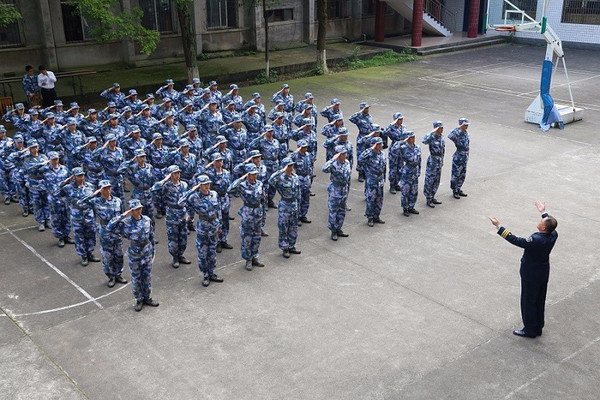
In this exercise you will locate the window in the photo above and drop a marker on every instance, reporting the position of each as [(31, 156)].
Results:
[(339, 9), (284, 14), (221, 13), (158, 15), (581, 12), (10, 35), (529, 6), (76, 27), (368, 7)]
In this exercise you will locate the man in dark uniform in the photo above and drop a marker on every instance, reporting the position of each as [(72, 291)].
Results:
[(535, 269)]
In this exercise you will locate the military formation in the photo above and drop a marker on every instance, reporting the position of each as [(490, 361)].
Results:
[(183, 156)]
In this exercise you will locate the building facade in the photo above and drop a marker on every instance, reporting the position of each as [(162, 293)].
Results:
[(576, 22), (51, 32)]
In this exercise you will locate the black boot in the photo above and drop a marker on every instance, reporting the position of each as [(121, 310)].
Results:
[(263, 233), (225, 245), (392, 189), (119, 279), (378, 220), (138, 305), (406, 213), (111, 282), (257, 263), (293, 250), (435, 201), (430, 203), (305, 220), (341, 233), (413, 211), (370, 222), (61, 242), (151, 303), (184, 260), (175, 262), (215, 278), (249, 266), (84, 261), (334, 236)]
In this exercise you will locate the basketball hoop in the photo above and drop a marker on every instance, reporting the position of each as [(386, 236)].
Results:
[(506, 28)]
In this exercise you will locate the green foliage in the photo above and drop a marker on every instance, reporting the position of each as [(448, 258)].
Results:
[(355, 52), (111, 23), (389, 57), (8, 14), (262, 77)]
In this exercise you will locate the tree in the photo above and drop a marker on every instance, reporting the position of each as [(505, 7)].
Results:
[(266, 18), (109, 22), (112, 23), (188, 38), (321, 34), (8, 14)]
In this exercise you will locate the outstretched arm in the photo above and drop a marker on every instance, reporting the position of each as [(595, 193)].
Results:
[(524, 243)]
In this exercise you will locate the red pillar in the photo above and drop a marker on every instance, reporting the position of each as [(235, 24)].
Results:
[(473, 19), (379, 21), (417, 23)]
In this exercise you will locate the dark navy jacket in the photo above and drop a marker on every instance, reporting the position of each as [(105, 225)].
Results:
[(535, 263)]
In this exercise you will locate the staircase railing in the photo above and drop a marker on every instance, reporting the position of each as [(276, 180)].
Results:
[(441, 14)]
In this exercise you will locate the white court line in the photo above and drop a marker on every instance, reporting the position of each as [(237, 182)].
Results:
[(17, 230), (69, 306), (498, 65), (58, 271), (565, 84), (537, 377)]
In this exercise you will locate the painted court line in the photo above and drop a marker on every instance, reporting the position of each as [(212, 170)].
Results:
[(70, 306), (58, 271)]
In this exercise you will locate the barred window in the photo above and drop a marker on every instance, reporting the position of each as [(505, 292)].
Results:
[(368, 7), (221, 13), (338, 9), (10, 35), (581, 12), (77, 28), (158, 15), (282, 14)]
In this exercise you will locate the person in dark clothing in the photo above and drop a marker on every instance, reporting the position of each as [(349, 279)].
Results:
[(535, 270)]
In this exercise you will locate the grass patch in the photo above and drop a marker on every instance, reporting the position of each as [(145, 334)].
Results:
[(389, 57), (261, 78)]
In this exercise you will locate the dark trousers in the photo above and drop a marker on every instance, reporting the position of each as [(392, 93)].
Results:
[(48, 97), (533, 301)]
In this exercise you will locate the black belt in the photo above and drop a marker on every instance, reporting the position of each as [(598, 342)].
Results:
[(175, 207), (462, 149), (289, 200), (436, 155), (140, 244), (252, 205), (210, 219)]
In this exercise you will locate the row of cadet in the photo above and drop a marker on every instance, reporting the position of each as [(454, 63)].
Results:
[(179, 186)]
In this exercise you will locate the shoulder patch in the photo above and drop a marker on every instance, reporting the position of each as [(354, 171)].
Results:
[(529, 239)]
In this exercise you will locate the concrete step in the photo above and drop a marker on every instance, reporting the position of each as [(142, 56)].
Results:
[(449, 47)]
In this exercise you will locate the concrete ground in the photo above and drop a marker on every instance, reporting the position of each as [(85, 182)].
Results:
[(418, 308)]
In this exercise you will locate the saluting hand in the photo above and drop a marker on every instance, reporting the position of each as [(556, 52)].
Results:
[(495, 221), (540, 206)]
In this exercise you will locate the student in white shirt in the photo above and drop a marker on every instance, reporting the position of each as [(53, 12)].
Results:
[(46, 82)]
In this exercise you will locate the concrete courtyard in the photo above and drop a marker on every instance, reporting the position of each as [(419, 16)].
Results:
[(418, 308)]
